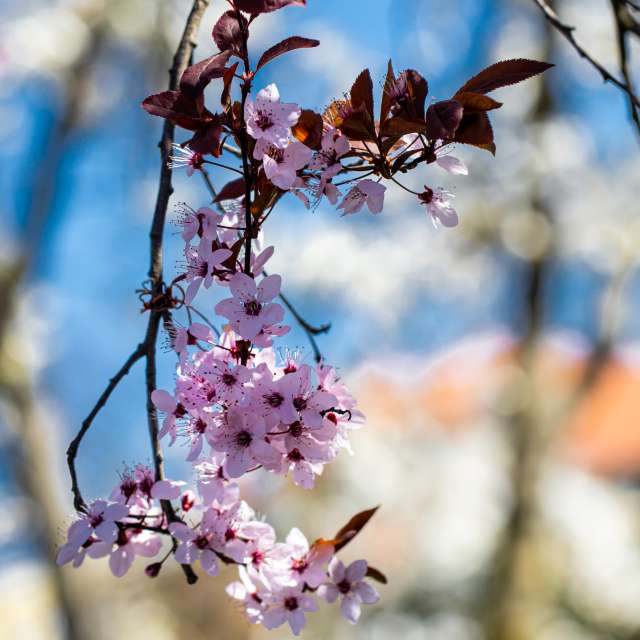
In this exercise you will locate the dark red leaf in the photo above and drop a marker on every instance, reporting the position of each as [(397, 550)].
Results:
[(475, 129), (399, 126), (185, 111), (207, 139), (389, 84), (442, 119), (266, 6), (231, 190), (476, 102), (230, 262), (377, 575), (503, 74), (227, 79), (352, 528), (196, 77), (362, 94), (309, 129), (418, 89), (227, 33), (289, 44)]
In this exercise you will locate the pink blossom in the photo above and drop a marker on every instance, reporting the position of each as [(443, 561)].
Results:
[(173, 410), (211, 479), (289, 605), (334, 146), (269, 119), (185, 157), (202, 223), (129, 543), (348, 583), (438, 204), (241, 437), (251, 309), (201, 267), (365, 192), (228, 379), (282, 164), (303, 564), (195, 545)]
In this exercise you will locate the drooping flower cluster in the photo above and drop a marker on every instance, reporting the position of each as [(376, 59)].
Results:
[(238, 405)]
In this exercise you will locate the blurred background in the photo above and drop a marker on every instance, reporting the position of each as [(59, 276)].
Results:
[(498, 363)]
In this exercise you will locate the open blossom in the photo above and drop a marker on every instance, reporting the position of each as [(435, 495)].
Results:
[(289, 605), (282, 164), (251, 309), (129, 544), (195, 544), (242, 438), (269, 119), (185, 157), (365, 192), (202, 223), (301, 563), (438, 204), (334, 145), (348, 584)]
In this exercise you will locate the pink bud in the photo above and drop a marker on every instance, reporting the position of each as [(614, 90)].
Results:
[(188, 500)]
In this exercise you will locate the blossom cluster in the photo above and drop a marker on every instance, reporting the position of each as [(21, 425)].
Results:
[(279, 582), (240, 404)]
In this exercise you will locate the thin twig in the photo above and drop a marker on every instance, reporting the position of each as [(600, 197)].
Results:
[(181, 59), (626, 24), (72, 451), (567, 31)]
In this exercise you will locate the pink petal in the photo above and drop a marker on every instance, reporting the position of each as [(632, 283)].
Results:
[(350, 608), (356, 571), (167, 489), (163, 401), (452, 165), (121, 560), (242, 286)]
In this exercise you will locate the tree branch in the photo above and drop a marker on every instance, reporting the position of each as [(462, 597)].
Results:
[(567, 32)]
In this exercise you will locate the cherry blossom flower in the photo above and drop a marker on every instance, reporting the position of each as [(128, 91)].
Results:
[(289, 605), (365, 192), (211, 479), (227, 378), (269, 119), (195, 544), (251, 309), (185, 157), (173, 410), (282, 164), (348, 584), (303, 564), (334, 145), (129, 543), (438, 204), (250, 591), (202, 223), (241, 437)]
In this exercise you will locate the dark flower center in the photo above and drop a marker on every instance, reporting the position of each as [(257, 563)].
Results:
[(295, 456), (229, 379), (252, 308), (97, 520), (274, 399), (291, 604), (243, 439), (201, 426), (296, 430), (202, 542), (299, 565), (300, 403), (426, 197), (263, 120), (229, 534), (344, 586)]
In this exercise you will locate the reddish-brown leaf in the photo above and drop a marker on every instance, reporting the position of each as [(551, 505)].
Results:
[(418, 89), (442, 119), (289, 44), (503, 74), (207, 139), (185, 111), (377, 575), (231, 190), (266, 6), (475, 129), (476, 102), (236, 247), (227, 79), (353, 528), (389, 84), (227, 33), (196, 77), (309, 129), (399, 126), (362, 94)]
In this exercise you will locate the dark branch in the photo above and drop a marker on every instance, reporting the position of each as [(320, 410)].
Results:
[(567, 31), (72, 451)]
